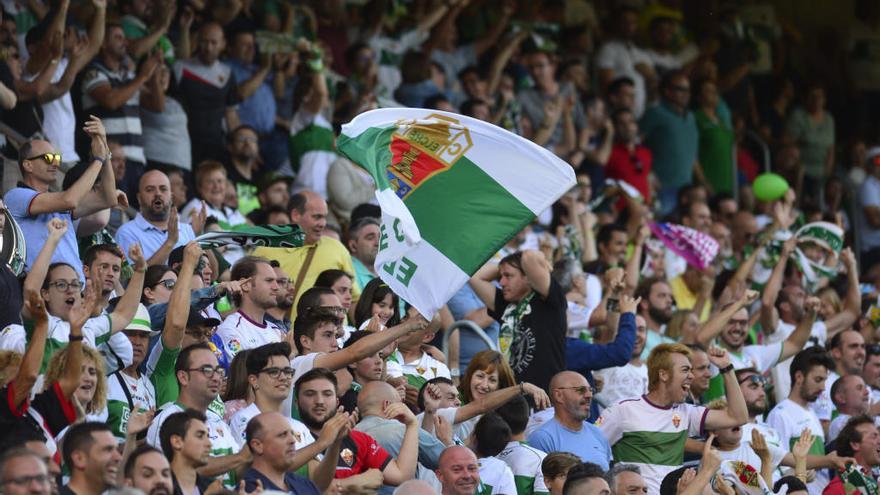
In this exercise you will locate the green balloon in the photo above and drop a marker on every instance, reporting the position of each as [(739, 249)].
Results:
[(769, 187)]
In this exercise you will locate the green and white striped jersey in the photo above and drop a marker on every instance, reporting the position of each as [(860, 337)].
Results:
[(495, 478), (525, 463)]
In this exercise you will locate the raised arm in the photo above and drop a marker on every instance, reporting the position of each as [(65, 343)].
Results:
[(33, 282), (537, 271), (178, 306), (70, 378), (496, 399), (128, 303), (489, 40), (30, 363), (843, 320), (404, 467), (160, 257), (369, 345), (737, 413), (482, 284), (769, 316), (715, 324), (798, 339), (139, 47), (105, 197)]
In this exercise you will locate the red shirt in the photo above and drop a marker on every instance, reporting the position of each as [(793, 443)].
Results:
[(633, 168), (359, 453)]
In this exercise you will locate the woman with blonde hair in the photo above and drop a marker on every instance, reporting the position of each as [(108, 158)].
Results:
[(92, 391), (830, 303), (683, 326)]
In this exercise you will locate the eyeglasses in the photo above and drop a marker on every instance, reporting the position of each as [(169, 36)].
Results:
[(756, 379), (42, 479), (276, 372), (336, 309), (50, 158), (168, 283), (63, 285), (579, 390), (244, 139), (209, 372), (201, 334), (872, 349)]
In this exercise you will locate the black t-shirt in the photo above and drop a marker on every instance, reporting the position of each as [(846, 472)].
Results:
[(10, 294), (537, 351), (27, 116), (55, 411)]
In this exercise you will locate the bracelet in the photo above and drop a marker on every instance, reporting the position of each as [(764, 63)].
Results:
[(75, 338), (725, 369)]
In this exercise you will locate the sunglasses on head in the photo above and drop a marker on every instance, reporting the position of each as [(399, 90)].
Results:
[(756, 379), (50, 158)]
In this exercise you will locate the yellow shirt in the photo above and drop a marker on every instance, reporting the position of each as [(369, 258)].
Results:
[(685, 299), (330, 254)]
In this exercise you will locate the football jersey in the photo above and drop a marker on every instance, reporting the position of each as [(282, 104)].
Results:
[(789, 419), (760, 357), (140, 391), (651, 436), (495, 478), (240, 332), (238, 423), (525, 464), (418, 372)]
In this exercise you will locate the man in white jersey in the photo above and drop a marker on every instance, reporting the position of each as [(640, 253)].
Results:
[(247, 328), (871, 371), (631, 380), (809, 370), (523, 460), (199, 376), (734, 332), (847, 349), (660, 419), (782, 310), (851, 398), (270, 377)]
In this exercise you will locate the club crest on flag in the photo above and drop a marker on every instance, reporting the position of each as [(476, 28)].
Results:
[(423, 149)]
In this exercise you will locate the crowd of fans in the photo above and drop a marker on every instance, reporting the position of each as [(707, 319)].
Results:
[(134, 359)]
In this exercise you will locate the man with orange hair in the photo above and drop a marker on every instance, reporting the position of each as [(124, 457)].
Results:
[(650, 431)]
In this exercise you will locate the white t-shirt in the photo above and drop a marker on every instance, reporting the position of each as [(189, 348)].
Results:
[(496, 478), (525, 463), (239, 421), (621, 382), (824, 406), (622, 57), (780, 374), (745, 453), (425, 367), (240, 332), (789, 419)]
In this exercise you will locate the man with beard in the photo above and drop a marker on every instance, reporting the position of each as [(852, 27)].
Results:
[(631, 380), (199, 377), (569, 430), (781, 310), (273, 444), (244, 151), (656, 308), (148, 470), (733, 322), (363, 242), (661, 419), (809, 370), (156, 226), (611, 242), (362, 461), (279, 315), (247, 327), (860, 440), (129, 389), (89, 450), (186, 442)]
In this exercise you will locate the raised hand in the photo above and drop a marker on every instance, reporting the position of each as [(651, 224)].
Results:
[(802, 447), (432, 398), (710, 460), (35, 306), (57, 228), (718, 357), (335, 428), (812, 305), (173, 226), (197, 219), (192, 252), (687, 477), (748, 297), (443, 430), (542, 401), (139, 420), (759, 445), (137, 256), (121, 200), (95, 129), (78, 315), (400, 412), (628, 304), (257, 489)]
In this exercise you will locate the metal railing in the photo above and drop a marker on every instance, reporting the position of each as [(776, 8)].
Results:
[(468, 325)]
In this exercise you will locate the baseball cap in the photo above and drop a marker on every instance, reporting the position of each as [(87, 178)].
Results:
[(267, 180), (141, 322), (197, 319)]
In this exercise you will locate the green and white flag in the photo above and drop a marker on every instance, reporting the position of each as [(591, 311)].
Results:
[(453, 190), (252, 236)]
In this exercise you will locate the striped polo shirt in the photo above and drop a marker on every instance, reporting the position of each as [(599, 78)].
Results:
[(123, 124)]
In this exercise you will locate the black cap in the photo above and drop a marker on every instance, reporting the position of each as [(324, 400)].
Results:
[(365, 210), (197, 319)]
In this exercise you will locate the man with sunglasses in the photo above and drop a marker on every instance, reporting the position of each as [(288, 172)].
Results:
[(33, 205), (200, 377)]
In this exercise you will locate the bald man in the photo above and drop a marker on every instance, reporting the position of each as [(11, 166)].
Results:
[(273, 446), (151, 225), (569, 431), (374, 401), (208, 91), (459, 471), (309, 210)]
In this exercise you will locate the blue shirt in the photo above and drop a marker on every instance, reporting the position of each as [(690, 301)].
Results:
[(258, 110), (463, 303), (673, 139), (294, 484), (33, 228), (589, 444), (150, 237)]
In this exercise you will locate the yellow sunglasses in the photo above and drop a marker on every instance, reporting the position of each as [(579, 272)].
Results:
[(50, 158)]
